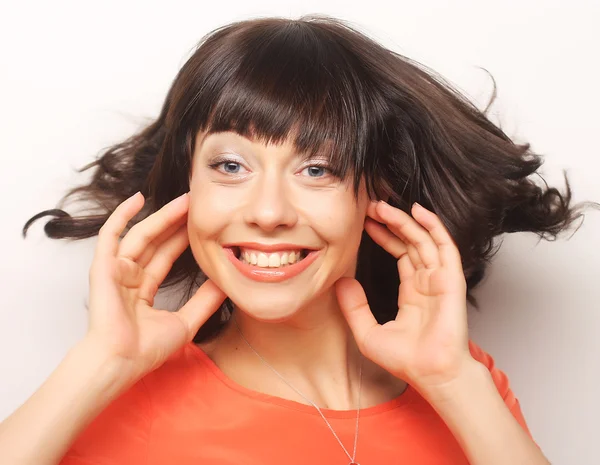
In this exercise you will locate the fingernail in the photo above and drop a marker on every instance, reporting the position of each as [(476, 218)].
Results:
[(418, 205), (385, 204)]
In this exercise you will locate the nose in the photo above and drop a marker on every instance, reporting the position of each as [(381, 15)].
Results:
[(269, 206)]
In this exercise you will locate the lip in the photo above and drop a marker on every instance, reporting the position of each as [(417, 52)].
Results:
[(268, 247), (271, 275)]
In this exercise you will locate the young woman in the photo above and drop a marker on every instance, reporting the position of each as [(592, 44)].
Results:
[(330, 205)]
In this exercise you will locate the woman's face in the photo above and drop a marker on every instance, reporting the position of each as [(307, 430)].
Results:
[(272, 230)]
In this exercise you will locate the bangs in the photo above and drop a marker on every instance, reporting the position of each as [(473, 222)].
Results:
[(289, 81)]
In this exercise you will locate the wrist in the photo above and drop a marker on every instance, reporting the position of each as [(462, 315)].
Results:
[(473, 375), (106, 375)]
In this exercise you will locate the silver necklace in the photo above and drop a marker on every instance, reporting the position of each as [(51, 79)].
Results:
[(351, 457)]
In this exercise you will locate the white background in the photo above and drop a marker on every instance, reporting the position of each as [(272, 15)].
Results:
[(77, 77)]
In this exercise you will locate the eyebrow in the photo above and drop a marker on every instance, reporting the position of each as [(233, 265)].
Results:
[(217, 143), (211, 139)]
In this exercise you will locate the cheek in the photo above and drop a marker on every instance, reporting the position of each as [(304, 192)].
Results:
[(339, 220), (211, 207), (203, 219), (208, 216)]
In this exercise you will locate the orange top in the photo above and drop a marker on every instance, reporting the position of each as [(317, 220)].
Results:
[(188, 412)]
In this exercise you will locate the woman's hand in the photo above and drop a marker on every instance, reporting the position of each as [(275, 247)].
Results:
[(427, 344), (124, 278)]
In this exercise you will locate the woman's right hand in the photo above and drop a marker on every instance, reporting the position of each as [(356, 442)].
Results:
[(124, 277)]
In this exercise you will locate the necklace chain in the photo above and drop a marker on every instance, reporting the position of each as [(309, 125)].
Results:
[(351, 457)]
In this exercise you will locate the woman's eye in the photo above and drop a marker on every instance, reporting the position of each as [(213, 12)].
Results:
[(228, 167), (316, 171), (231, 167)]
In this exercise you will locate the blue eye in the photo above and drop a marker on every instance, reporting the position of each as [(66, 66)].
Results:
[(316, 171), (231, 167), (227, 167)]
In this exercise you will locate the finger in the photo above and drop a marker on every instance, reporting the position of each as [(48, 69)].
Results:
[(402, 223), (355, 308), (166, 254), (106, 273), (413, 253), (406, 268), (448, 250), (110, 232), (392, 244), (148, 289), (149, 251), (130, 274), (385, 238), (206, 301), (142, 234), (373, 213)]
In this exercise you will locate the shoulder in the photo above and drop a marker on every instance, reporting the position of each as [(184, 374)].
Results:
[(502, 383), (122, 431), (184, 373)]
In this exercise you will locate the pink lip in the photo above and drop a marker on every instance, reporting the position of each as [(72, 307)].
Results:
[(267, 247), (271, 275)]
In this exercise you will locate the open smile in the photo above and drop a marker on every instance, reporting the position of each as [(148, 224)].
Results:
[(270, 264)]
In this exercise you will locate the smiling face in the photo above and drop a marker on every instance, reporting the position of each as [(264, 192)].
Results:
[(273, 230)]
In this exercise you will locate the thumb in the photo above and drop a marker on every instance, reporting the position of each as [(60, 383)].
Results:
[(206, 301), (355, 308)]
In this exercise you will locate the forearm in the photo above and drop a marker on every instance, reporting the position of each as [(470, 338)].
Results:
[(41, 431), (481, 422)]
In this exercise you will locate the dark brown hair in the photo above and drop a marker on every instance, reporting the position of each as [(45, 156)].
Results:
[(381, 115)]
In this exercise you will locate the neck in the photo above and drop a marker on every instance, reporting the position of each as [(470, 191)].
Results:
[(315, 340), (314, 351)]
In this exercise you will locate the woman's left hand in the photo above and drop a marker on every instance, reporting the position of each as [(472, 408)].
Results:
[(427, 343)]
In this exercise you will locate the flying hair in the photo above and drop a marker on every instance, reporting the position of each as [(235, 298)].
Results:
[(333, 92)]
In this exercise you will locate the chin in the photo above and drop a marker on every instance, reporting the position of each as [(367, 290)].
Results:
[(268, 306)]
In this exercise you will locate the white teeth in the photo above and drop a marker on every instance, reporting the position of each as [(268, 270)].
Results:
[(263, 260), (272, 260)]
